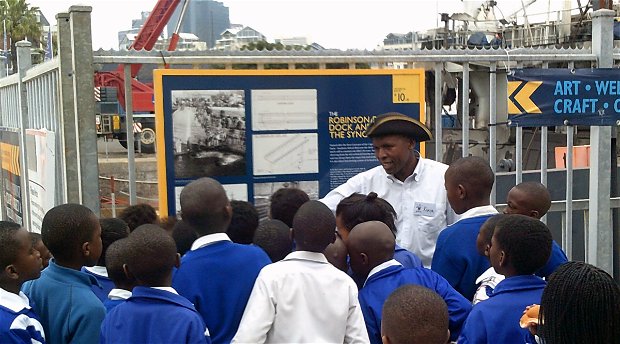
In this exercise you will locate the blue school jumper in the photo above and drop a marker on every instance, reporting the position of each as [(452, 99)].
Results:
[(64, 300), (407, 258), (381, 284), (18, 322), (456, 257), (154, 316), (104, 287), (496, 320), (218, 279), (557, 258)]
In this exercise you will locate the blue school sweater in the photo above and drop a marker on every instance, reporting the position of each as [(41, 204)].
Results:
[(154, 316), (104, 287), (381, 284), (407, 258), (557, 258), (496, 320), (18, 322), (456, 257), (218, 279), (63, 298)]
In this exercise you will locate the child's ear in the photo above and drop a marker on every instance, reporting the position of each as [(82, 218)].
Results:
[(128, 273), (535, 214), (385, 340), (364, 258), (462, 192), (503, 258), (86, 249), (177, 261), (487, 250), (11, 272)]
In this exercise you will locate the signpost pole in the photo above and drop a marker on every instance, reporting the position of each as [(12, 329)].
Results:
[(599, 251)]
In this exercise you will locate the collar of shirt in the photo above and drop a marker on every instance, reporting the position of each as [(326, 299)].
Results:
[(416, 172), (119, 294), (307, 255), (385, 265), (209, 239), (62, 273), (97, 270), (478, 211), (14, 302), (168, 289)]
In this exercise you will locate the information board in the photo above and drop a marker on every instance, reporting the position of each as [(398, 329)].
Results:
[(555, 97), (257, 131), (11, 176)]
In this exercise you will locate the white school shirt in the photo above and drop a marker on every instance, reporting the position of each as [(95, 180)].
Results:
[(17, 303), (420, 202), (302, 299)]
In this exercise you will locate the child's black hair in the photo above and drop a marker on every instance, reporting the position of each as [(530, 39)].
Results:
[(184, 236), (539, 196), (274, 237), (8, 243), (66, 227), (151, 255), (115, 258), (314, 227), (139, 214), (358, 208), (243, 223), (580, 304), (285, 202), (112, 229), (475, 173), (415, 314), (488, 227), (525, 240)]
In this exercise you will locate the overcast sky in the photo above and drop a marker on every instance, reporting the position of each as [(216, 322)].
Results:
[(356, 24)]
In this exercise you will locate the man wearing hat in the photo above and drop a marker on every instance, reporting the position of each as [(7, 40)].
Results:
[(414, 186)]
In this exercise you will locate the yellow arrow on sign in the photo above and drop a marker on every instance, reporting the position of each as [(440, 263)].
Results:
[(522, 97)]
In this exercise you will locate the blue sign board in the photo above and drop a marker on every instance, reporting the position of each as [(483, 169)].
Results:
[(556, 97)]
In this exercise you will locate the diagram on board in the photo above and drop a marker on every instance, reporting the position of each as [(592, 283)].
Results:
[(285, 153), (284, 109)]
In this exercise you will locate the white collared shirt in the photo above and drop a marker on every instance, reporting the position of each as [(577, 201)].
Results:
[(420, 202), (302, 299), (97, 270), (384, 265), (168, 289), (18, 303), (119, 294), (14, 302), (478, 211), (209, 239)]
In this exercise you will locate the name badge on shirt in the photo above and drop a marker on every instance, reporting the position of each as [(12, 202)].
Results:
[(424, 209)]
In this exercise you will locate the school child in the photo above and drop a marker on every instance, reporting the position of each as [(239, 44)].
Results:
[(490, 278), (371, 251), (114, 261), (216, 275), (62, 296), (154, 313), (533, 199), (285, 202), (303, 298), (111, 230), (20, 262), (424, 312), (274, 237), (358, 208), (580, 304), (337, 254), (139, 214), (520, 246), (184, 236), (243, 223), (40, 246), (468, 185)]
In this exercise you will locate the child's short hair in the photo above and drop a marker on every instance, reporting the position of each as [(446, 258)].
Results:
[(151, 255), (538, 196), (139, 214), (526, 241), (112, 229), (274, 237), (486, 232), (475, 173), (285, 202), (580, 304), (66, 227), (415, 314), (243, 223), (314, 227), (184, 236), (8, 243), (115, 258), (358, 208)]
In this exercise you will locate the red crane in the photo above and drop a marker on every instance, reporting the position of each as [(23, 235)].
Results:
[(146, 39)]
